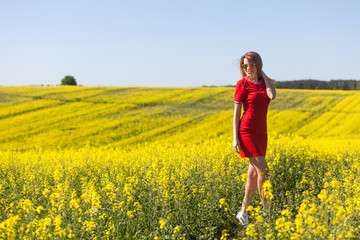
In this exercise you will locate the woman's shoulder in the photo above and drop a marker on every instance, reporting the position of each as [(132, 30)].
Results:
[(241, 81)]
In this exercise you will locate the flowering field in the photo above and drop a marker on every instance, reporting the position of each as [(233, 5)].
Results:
[(157, 163)]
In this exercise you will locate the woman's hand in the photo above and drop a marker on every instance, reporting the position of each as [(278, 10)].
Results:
[(270, 90), (236, 145), (266, 77)]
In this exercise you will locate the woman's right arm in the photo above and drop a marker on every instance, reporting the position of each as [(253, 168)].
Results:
[(270, 90), (236, 125)]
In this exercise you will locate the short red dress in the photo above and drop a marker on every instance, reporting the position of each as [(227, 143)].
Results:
[(253, 126)]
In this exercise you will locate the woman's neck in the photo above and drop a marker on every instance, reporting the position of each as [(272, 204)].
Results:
[(254, 79)]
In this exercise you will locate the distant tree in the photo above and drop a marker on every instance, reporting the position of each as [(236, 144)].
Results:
[(68, 80), (317, 84)]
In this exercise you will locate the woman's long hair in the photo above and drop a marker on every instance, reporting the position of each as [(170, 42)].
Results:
[(254, 59)]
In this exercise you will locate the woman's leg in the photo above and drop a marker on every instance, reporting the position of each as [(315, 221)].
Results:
[(250, 188), (262, 169), (257, 175)]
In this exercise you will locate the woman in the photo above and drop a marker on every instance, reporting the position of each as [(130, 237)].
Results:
[(254, 91)]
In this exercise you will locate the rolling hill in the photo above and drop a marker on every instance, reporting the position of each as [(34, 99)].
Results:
[(75, 117)]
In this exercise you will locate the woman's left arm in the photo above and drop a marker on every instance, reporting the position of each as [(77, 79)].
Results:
[(270, 90)]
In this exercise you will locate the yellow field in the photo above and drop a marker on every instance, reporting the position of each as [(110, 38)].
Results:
[(157, 163)]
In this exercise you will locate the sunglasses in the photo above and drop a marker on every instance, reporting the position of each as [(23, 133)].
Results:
[(244, 66)]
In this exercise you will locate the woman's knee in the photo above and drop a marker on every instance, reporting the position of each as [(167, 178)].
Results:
[(252, 173)]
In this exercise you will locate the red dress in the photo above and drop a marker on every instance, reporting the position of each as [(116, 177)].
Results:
[(253, 129)]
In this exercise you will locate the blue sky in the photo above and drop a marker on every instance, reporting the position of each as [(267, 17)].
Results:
[(175, 43)]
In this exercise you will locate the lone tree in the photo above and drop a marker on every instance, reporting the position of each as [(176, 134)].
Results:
[(68, 80)]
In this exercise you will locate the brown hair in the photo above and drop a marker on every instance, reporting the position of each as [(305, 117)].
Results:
[(254, 60)]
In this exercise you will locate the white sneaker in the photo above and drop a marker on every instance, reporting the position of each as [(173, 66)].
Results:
[(243, 219)]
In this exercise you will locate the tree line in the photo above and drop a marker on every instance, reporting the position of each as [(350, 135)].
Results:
[(318, 84)]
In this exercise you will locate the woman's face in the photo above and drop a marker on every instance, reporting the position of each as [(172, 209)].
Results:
[(250, 71)]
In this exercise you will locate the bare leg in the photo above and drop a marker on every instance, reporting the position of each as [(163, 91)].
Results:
[(250, 188), (263, 172), (257, 174)]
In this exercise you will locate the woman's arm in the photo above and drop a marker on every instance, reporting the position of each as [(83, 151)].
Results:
[(236, 125), (270, 90)]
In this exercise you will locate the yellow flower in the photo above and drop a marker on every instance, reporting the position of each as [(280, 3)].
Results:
[(162, 223), (323, 195), (286, 213), (251, 230), (250, 208), (176, 229), (39, 209), (130, 214), (267, 188), (222, 201)]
